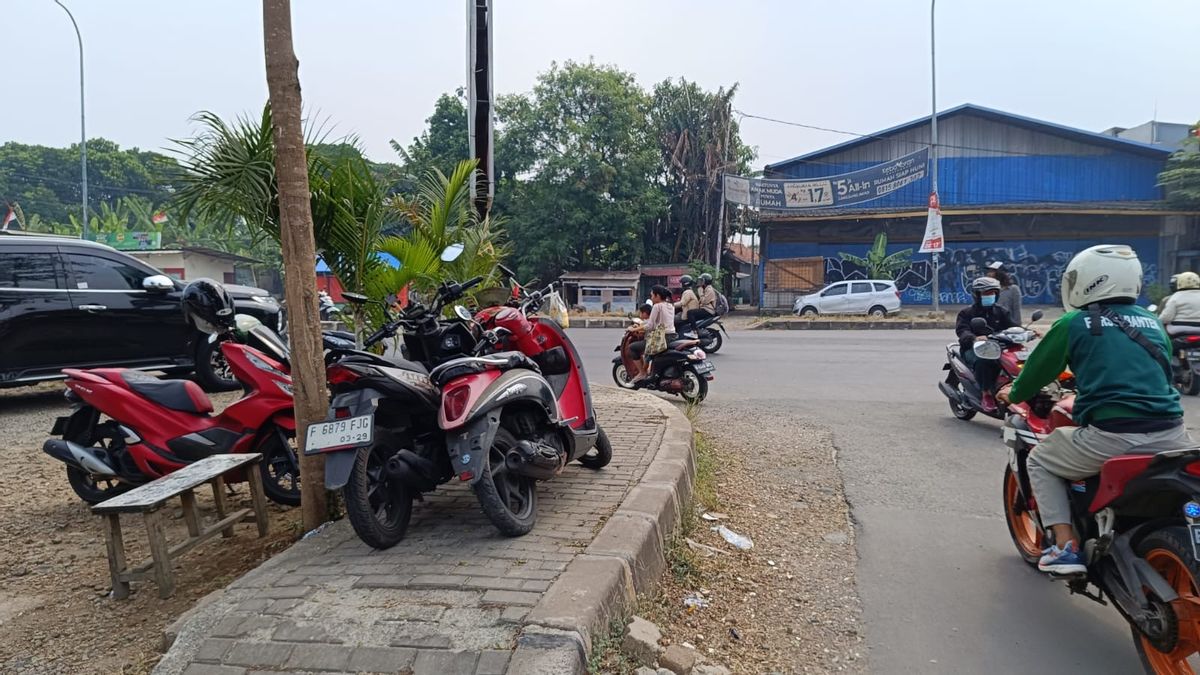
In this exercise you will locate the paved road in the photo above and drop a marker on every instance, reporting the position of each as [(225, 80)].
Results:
[(942, 588)]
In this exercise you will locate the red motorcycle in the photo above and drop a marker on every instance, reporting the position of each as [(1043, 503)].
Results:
[(128, 428), (1009, 347), (1139, 521), (517, 412)]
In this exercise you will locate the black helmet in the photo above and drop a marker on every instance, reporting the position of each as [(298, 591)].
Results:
[(686, 281), (705, 279), (207, 307)]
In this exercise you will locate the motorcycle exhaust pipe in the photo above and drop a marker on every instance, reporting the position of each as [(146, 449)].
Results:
[(536, 460), (950, 392), (411, 469), (91, 460)]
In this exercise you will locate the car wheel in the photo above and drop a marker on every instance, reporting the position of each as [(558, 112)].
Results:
[(212, 370), (877, 312), (809, 311)]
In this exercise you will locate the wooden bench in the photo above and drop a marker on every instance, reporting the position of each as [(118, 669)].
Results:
[(148, 499)]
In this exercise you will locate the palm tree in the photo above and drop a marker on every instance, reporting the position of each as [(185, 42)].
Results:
[(878, 264)]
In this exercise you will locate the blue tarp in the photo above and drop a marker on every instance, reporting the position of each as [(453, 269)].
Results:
[(322, 268)]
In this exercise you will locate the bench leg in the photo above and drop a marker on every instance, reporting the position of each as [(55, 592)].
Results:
[(218, 485), (116, 555), (258, 500), (163, 574), (190, 515)]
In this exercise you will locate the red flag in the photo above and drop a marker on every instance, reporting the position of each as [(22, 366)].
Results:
[(9, 217), (159, 218)]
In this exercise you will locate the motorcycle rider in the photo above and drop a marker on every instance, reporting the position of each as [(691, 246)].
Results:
[(1119, 355), (688, 299), (707, 297), (986, 291), (1181, 311)]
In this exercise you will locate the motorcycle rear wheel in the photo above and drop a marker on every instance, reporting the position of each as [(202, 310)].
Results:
[(959, 410), (1188, 384), (1170, 553), (379, 509), (695, 387), (280, 466), (94, 489), (508, 499), (600, 455), (713, 344), (1022, 527), (621, 376)]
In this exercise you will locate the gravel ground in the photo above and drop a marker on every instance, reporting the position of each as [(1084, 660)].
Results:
[(55, 615), (789, 604)]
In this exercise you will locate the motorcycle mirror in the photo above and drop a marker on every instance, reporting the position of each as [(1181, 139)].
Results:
[(507, 273), (356, 298), (1037, 316), (988, 350), (1152, 308), (463, 313), (451, 252), (979, 326)]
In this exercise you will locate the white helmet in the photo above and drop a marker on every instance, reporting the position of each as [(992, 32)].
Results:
[(1187, 281), (1104, 272)]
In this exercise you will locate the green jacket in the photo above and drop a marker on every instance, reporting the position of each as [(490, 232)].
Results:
[(1116, 378)]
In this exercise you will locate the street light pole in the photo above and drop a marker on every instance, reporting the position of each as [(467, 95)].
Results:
[(82, 120), (933, 149)]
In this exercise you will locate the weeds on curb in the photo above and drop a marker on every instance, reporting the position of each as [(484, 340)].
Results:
[(606, 649)]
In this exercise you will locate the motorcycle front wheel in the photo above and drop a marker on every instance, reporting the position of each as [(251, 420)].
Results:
[(378, 508), (1022, 524), (212, 370), (621, 376), (1173, 646), (280, 466)]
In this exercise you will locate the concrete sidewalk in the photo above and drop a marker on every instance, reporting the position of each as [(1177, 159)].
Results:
[(455, 596)]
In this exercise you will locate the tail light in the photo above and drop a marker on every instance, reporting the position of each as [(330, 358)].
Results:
[(339, 374), (1192, 468), (341, 413), (1193, 338), (454, 402), (897, 293)]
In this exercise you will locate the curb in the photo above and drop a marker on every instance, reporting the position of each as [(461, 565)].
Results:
[(915, 324), (624, 560)]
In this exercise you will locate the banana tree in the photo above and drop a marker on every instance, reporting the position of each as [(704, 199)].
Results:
[(878, 264)]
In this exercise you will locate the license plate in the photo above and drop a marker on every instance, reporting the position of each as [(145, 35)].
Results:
[(705, 367), (1195, 532), (1194, 355), (352, 432)]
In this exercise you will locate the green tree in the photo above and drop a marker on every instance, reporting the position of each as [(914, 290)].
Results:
[(698, 141), (588, 186), (878, 264), (1181, 178)]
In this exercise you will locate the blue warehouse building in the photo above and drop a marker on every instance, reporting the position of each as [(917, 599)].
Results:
[(1019, 190)]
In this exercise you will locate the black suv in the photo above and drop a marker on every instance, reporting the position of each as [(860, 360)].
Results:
[(69, 303)]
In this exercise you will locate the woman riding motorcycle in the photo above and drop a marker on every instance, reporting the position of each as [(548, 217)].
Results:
[(986, 290), (1119, 355)]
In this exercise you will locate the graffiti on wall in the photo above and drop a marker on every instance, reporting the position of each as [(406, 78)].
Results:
[(1037, 266)]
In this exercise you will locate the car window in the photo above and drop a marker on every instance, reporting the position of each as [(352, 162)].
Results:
[(29, 270), (840, 289), (101, 274), (861, 287), (882, 287)]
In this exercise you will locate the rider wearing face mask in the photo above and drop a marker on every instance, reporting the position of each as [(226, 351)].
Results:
[(986, 290)]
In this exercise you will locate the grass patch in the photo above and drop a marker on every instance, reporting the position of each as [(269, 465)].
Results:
[(606, 653)]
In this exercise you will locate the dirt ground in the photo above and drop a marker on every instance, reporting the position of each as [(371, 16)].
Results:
[(55, 613), (787, 605)]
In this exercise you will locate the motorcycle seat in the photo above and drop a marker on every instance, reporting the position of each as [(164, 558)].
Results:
[(471, 365), (684, 343), (182, 395)]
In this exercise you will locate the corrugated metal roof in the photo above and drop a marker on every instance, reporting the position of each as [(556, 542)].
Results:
[(1070, 133)]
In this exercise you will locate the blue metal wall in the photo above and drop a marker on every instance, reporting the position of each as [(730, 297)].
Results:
[(1037, 265)]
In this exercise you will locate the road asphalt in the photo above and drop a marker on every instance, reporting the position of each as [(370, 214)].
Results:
[(943, 589)]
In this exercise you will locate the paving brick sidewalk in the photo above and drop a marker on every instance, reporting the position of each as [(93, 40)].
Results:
[(449, 599)]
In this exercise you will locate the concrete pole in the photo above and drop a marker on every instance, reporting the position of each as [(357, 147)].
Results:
[(82, 121), (933, 149)]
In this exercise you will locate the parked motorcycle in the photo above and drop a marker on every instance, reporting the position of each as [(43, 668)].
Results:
[(1139, 521), (213, 368), (128, 428), (711, 339), (518, 411), (1009, 347), (682, 369)]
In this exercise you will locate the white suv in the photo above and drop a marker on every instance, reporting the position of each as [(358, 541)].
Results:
[(874, 297)]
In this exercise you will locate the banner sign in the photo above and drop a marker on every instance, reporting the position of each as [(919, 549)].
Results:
[(832, 192), (129, 241), (933, 241)]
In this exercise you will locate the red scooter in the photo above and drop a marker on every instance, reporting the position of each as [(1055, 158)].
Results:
[(152, 427), (517, 412), (1009, 347), (1139, 524)]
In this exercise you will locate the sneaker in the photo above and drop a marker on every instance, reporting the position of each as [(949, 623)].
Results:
[(989, 402), (1064, 560)]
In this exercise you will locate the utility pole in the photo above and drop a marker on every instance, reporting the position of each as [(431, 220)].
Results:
[(479, 101), (82, 121), (933, 147), (721, 177)]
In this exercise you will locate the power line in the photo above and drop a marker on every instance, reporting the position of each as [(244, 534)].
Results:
[(60, 181)]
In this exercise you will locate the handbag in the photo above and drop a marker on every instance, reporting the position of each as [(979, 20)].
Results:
[(656, 340)]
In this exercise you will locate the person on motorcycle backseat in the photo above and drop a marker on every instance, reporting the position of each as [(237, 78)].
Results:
[(1119, 355), (986, 291), (688, 299), (1181, 311)]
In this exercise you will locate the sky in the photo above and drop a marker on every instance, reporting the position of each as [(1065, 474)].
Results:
[(374, 68)]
